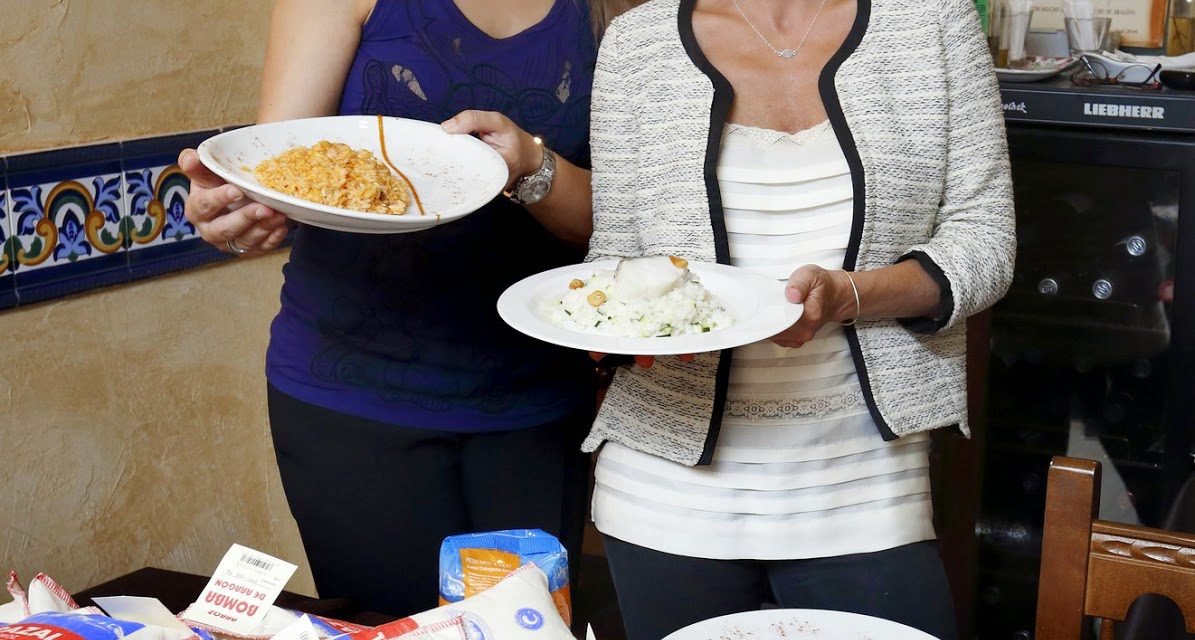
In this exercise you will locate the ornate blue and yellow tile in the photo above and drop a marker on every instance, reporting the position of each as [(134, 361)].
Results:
[(67, 221)]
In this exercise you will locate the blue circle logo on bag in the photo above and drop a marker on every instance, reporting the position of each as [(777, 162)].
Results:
[(529, 618)]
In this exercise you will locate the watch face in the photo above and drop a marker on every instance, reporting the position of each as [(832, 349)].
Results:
[(535, 190)]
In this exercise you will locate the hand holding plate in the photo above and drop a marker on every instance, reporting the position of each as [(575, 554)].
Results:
[(823, 292), (517, 147), (221, 213)]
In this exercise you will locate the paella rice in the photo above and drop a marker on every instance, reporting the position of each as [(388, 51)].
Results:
[(337, 175)]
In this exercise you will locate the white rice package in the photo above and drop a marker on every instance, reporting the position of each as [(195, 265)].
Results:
[(406, 629), (520, 607), (275, 620)]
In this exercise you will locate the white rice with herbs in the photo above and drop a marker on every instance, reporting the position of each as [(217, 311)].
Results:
[(685, 310)]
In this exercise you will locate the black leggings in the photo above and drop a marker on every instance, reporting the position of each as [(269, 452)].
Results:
[(659, 593), (373, 501)]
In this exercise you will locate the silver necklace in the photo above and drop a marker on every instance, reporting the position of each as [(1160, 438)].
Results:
[(783, 53)]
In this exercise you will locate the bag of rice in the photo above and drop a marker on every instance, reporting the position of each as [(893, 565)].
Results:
[(277, 619), (85, 626), (45, 603), (452, 629), (407, 629), (519, 607), (43, 596), (474, 562)]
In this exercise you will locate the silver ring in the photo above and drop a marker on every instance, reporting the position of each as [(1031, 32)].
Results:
[(236, 248)]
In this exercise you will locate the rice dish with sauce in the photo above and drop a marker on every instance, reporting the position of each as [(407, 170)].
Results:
[(654, 296), (337, 175)]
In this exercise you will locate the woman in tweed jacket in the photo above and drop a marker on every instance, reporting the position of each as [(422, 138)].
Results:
[(913, 110)]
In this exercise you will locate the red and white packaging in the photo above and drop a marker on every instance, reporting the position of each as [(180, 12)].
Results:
[(43, 596), (276, 620), (452, 628), (238, 601)]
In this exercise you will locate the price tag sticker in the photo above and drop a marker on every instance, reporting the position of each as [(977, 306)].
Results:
[(242, 589)]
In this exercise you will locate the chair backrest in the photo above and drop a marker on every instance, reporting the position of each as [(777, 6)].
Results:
[(1094, 568)]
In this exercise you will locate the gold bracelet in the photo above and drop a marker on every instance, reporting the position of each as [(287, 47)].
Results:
[(858, 305)]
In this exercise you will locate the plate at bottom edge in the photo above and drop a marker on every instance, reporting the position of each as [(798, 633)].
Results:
[(798, 624), (756, 303), (1042, 69)]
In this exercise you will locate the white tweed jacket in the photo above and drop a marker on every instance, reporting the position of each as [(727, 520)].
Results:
[(913, 100)]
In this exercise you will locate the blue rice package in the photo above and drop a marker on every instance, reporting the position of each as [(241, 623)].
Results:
[(69, 626), (473, 562)]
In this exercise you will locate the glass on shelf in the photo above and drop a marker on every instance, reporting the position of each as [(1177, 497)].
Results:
[(1087, 35), (1180, 30)]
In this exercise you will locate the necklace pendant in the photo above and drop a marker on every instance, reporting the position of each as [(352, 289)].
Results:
[(787, 53)]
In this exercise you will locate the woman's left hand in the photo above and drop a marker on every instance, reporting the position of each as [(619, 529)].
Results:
[(517, 147), (825, 295)]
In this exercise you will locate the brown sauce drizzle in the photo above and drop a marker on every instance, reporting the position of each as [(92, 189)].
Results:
[(386, 157)]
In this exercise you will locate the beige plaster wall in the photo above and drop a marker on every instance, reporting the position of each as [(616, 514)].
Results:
[(134, 418), (135, 428), (74, 72)]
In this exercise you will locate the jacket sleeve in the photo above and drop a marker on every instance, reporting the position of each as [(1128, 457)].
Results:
[(973, 246), (612, 133)]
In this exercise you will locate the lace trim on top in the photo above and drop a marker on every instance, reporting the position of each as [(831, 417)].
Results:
[(819, 406), (762, 137)]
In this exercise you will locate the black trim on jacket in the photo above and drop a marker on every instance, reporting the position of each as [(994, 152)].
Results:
[(719, 114), (838, 121), (945, 299), (719, 111)]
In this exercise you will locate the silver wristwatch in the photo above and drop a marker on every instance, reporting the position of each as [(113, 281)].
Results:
[(530, 189)]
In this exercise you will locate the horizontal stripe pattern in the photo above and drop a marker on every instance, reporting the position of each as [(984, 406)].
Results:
[(800, 469)]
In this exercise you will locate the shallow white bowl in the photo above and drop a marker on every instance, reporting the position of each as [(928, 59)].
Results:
[(757, 304), (1038, 69), (798, 624), (454, 175)]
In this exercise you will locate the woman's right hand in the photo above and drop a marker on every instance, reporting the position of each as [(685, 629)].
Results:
[(224, 217)]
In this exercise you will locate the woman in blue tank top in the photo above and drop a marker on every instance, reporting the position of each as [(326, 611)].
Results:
[(402, 409)]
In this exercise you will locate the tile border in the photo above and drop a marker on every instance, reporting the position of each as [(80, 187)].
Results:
[(69, 233)]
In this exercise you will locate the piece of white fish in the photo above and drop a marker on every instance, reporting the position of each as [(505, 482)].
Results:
[(648, 277)]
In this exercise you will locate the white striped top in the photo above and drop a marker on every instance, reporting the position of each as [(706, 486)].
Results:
[(800, 470)]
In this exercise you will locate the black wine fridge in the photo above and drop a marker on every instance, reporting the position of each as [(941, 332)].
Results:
[(1093, 350)]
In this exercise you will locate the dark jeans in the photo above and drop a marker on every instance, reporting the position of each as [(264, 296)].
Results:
[(659, 593), (373, 501)]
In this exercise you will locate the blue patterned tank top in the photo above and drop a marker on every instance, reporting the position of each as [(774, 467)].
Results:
[(403, 328)]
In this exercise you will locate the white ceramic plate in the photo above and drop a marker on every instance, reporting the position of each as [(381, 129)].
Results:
[(454, 175), (798, 624), (1038, 69), (756, 302)]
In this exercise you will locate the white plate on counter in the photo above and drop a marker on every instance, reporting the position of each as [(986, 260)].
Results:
[(798, 624), (756, 303), (453, 175), (1037, 69)]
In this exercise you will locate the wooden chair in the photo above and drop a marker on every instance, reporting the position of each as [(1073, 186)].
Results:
[(1094, 568)]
